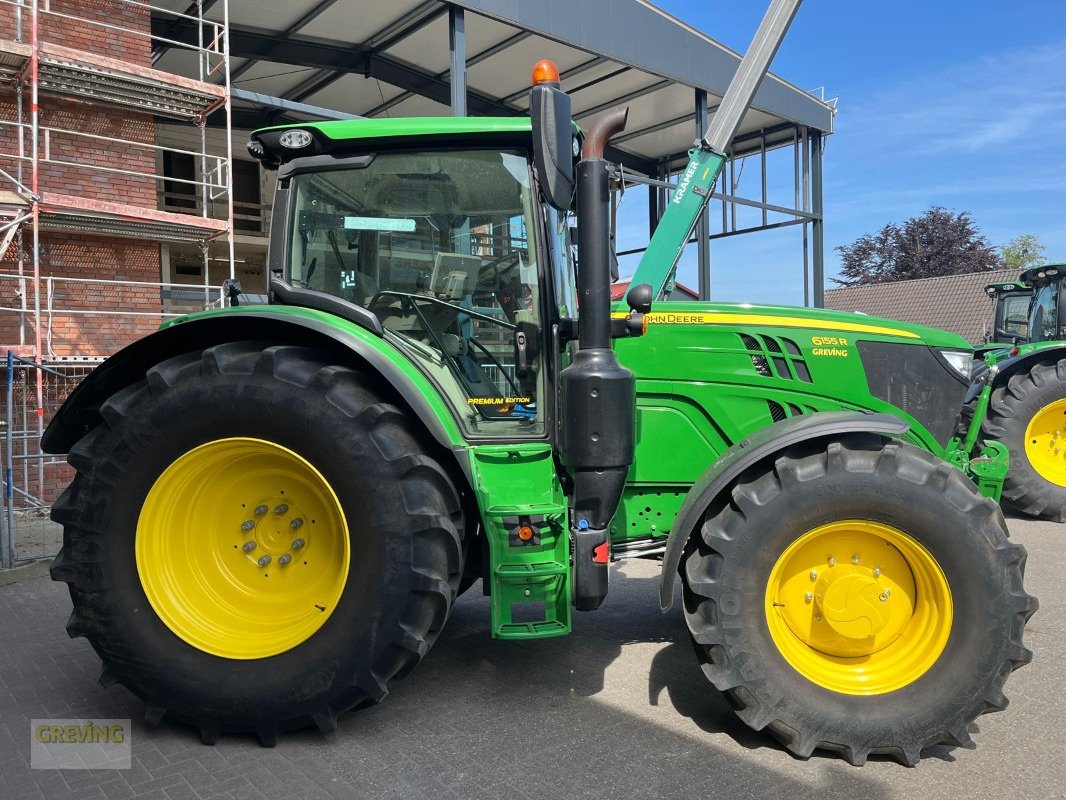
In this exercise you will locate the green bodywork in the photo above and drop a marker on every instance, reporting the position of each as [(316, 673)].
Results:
[(411, 127), (707, 376)]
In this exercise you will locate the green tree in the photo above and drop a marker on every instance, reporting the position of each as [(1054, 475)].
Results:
[(1022, 252), (938, 242)]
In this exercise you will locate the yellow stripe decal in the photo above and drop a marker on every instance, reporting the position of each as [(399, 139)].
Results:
[(719, 318)]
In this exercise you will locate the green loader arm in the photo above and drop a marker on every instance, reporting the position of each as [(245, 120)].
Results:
[(707, 157)]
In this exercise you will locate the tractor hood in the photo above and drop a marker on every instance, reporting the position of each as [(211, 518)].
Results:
[(848, 323), (754, 364)]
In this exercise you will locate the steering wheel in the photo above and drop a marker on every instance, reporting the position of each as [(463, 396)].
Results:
[(494, 265)]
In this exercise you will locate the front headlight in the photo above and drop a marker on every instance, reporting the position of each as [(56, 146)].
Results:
[(960, 360)]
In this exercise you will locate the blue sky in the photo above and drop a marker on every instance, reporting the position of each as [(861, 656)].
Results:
[(943, 102)]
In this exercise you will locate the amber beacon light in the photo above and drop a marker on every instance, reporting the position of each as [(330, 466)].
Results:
[(545, 71)]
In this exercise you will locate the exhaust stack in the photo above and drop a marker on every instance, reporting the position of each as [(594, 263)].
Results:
[(598, 394)]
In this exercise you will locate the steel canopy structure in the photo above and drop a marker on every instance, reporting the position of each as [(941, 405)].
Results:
[(313, 59)]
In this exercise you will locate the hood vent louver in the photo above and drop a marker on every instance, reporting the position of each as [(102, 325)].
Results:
[(774, 357)]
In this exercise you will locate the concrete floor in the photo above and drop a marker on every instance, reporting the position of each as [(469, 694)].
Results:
[(618, 709)]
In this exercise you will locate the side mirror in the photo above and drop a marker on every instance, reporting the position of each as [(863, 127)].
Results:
[(553, 144), (640, 298)]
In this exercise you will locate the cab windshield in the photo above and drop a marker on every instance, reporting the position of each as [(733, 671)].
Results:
[(438, 245), (1013, 319)]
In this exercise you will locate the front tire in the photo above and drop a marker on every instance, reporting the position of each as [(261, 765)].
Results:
[(256, 540), (860, 597), (1028, 415)]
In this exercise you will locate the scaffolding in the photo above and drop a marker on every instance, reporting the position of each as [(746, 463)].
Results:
[(42, 70), (35, 71)]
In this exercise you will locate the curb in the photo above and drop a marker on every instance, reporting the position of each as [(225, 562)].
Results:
[(23, 572)]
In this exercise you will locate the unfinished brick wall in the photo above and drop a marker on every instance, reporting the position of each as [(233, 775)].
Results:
[(126, 41), (73, 254), (67, 331)]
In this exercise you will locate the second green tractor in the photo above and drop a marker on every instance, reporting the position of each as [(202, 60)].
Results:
[(1019, 395)]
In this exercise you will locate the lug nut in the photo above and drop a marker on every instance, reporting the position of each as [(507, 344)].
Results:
[(884, 595), (247, 525), (296, 523), (263, 561), (814, 574), (281, 509), (808, 597), (877, 572), (832, 561), (817, 617), (260, 511), (284, 559), (249, 547), (855, 559), (297, 544)]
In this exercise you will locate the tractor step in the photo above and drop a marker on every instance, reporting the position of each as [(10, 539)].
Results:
[(529, 543)]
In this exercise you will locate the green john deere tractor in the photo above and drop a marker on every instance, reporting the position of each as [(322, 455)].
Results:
[(1010, 314), (276, 506), (1022, 376)]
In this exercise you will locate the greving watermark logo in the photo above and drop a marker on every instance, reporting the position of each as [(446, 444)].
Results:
[(80, 743)]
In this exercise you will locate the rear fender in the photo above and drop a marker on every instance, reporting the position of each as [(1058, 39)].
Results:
[(1023, 362), (277, 324), (763, 445)]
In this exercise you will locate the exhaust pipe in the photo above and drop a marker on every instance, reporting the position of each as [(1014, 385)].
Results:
[(598, 394)]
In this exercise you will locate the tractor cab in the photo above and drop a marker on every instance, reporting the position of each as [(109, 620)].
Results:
[(1047, 316), (439, 236), (1010, 315)]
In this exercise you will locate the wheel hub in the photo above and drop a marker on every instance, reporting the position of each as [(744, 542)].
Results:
[(1045, 442), (279, 528), (858, 607)]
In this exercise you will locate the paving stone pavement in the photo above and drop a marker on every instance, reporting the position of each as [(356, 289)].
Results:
[(618, 709)]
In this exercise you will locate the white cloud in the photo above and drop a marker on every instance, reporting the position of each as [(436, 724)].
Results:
[(1012, 99)]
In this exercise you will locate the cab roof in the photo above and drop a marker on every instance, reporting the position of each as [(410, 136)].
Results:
[(1007, 286), (1038, 275), (339, 136)]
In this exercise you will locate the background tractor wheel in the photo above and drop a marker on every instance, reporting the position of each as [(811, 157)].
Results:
[(256, 541), (859, 597), (1028, 415)]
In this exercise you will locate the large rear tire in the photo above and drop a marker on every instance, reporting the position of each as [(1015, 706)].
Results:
[(255, 540), (1028, 415), (860, 597)]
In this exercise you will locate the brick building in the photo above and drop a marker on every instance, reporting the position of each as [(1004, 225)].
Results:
[(86, 219)]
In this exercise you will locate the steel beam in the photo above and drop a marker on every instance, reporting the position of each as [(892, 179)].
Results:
[(457, 50), (703, 223), (564, 76), (475, 59), (623, 99), (726, 234), (248, 43), (411, 22), (315, 11), (167, 25), (658, 126), (818, 209), (643, 37), (281, 104), (313, 85)]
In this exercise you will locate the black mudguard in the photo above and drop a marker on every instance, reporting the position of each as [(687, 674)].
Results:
[(761, 445), (1025, 362)]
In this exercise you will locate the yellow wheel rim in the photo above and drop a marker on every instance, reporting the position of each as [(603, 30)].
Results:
[(242, 548), (1045, 444), (858, 607)]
